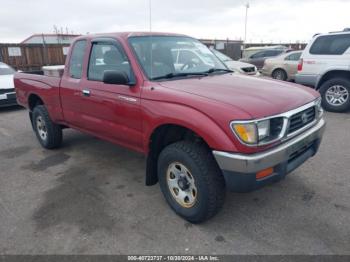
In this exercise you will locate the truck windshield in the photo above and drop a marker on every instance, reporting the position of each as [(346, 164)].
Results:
[(221, 56), (174, 56), (6, 70)]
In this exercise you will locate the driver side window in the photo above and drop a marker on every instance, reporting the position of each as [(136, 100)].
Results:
[(106, 56)]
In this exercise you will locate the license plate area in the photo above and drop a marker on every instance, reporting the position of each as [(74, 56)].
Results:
[(303, 147)]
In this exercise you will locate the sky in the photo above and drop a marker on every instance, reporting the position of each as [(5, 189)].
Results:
[(268, 20)]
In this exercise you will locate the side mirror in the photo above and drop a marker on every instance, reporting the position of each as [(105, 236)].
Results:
[(115, 77)]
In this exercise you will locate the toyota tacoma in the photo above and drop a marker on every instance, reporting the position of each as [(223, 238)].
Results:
[(202, 128)]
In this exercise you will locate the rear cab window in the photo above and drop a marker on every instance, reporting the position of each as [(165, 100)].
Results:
[(77, 59), (330, 45)]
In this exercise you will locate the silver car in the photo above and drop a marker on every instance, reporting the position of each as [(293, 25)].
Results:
[(237, 66)]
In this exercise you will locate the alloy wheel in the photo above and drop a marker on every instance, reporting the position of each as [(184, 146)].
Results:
[(337, 95)]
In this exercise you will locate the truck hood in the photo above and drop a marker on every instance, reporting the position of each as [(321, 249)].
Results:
[(6, 82), (258, 97)]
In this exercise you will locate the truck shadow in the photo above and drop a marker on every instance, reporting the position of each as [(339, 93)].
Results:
[(89, 186)]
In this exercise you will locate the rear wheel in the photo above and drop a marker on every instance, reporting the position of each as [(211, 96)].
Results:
[(48, 133), (336, 95), (279, 74), (191, 181)]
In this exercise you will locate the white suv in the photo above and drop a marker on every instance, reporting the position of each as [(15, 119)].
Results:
[(325, 65)]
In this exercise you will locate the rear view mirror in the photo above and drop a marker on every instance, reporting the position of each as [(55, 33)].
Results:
[(115, 77)]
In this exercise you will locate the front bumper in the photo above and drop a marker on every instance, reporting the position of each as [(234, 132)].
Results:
[(240, 169), (8, 99)]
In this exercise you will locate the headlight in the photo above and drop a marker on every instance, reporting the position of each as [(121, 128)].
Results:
[(252, 133), (318, 106), (258, 132), (263, 129)]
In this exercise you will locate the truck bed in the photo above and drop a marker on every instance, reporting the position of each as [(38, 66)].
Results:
[(35, 84)]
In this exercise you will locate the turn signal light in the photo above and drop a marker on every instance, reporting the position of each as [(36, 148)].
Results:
[(264, 173)]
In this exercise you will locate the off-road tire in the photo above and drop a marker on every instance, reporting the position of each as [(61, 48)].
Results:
[(54, 131), (208, 178)]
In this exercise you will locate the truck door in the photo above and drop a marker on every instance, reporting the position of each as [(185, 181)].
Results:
[(111, 111), (71, 89)]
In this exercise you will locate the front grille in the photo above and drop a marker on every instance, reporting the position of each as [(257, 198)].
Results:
[(5, 91), (301, 119), (248, 69)]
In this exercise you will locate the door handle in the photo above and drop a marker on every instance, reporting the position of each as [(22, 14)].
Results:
[(86, 92)]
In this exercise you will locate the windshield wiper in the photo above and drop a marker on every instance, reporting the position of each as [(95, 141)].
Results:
[(172, 75), (212, 70)]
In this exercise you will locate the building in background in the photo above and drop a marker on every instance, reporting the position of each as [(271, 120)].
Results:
[(49, 39)]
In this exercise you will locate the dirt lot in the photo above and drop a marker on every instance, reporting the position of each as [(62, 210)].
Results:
[(89, 198)]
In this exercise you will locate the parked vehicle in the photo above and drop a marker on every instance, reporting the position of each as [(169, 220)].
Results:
[(282, 67), (325, 65), (202, 128), (248, 52), (7, 89), (237, 66), (259, 58)]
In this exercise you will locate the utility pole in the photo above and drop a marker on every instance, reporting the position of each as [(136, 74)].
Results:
[(245, 24)]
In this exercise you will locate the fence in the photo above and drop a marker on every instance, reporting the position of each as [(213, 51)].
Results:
[(294, 46), (27, 57), (232, 48)]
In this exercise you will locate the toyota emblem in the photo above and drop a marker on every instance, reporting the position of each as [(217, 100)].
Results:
[(304, 118)]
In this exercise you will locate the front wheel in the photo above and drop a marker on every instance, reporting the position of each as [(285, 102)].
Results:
[(191, 181), (48, 133), (336, 95)]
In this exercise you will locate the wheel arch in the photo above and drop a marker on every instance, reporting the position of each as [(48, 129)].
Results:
[(34, 100), (165, 134), (332, 74)]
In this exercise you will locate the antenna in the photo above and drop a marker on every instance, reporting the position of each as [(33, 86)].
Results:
[(150, 15), (150, 29)]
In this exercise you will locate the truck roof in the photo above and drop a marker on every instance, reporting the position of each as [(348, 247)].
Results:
[(125, 35)]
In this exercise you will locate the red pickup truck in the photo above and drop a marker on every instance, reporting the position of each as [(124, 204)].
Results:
[(202, 127)]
